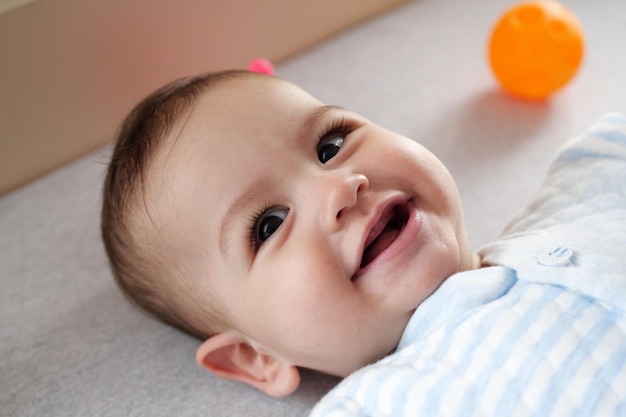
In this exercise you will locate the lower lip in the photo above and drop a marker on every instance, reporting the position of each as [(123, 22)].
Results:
[(403, 241)]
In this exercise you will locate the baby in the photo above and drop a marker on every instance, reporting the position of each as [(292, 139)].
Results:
[(287, 233)]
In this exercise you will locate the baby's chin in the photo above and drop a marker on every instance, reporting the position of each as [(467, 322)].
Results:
[(477, 261), (348, 365)]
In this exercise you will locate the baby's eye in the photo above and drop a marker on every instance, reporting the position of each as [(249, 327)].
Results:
[(332, 138), (266, 224), (328, 148)]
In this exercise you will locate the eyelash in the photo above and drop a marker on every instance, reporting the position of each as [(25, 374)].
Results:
[(253, 221), (339, 127)]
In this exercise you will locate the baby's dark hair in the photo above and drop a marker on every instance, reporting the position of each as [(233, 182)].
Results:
[(137, 265)]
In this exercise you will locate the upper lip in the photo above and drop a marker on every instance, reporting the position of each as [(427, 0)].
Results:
[(381, 215)]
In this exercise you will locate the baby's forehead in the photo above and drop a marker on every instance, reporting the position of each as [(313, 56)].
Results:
[(230, 126), (226, 121), (245, 109), (252, 93)]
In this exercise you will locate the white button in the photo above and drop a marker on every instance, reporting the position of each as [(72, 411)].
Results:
[(559, 256)]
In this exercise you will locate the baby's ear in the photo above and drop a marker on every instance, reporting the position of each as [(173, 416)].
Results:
[(232, 355)]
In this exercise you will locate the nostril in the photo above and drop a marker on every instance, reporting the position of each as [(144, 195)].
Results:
[(339, 214)]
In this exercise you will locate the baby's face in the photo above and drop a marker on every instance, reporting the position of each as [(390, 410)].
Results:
[(321, 232)]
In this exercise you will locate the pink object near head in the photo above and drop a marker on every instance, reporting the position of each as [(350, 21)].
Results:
[(262, 66)]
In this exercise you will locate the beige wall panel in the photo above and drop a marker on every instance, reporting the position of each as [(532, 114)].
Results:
[(71, 69)]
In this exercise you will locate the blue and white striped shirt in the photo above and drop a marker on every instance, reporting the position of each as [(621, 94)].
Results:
[(540, 333)]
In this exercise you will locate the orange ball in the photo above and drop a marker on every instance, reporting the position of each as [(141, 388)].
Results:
[(536, 48)]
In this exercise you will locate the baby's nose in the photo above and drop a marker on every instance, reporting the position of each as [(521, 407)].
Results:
[(340, 193)]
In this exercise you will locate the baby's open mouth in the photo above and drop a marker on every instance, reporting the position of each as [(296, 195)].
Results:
[(384, 232)]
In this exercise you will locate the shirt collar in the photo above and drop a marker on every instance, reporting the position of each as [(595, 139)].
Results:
[(459, 294)]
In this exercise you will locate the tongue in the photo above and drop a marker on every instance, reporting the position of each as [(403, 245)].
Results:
[(381, 243)]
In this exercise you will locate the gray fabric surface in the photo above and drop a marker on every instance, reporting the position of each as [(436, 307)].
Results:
[(72, 346)]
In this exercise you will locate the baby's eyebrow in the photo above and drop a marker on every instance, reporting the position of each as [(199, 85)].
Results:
[(318, 113)]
